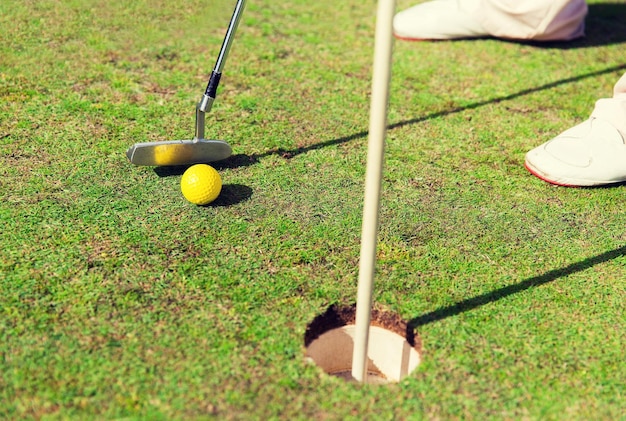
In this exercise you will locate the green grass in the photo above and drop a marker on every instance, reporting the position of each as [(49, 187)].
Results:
[(118, 299)]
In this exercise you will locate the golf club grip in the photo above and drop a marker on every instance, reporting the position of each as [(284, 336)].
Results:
[(214, 81)]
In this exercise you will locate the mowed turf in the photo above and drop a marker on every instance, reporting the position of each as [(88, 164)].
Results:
[(119, 299)]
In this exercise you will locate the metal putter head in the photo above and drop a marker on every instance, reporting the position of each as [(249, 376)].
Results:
[(178, 152), (182, 152)]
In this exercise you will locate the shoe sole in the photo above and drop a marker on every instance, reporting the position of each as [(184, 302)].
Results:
[(570, 183), (402, 38)]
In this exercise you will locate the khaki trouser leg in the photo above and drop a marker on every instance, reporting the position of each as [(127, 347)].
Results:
[(613, 109)]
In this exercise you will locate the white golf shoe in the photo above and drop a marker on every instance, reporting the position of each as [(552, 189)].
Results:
[(436, 20), (592, 153)]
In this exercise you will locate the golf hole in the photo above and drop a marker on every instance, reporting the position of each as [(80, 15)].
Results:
[(394, 349)]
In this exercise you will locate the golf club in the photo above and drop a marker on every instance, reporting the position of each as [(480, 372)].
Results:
[(198, 149), (383, 44)]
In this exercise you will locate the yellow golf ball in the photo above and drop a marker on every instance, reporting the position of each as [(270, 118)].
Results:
[(201, 184)]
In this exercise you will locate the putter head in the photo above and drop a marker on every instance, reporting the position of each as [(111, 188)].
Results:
[(178, 152)]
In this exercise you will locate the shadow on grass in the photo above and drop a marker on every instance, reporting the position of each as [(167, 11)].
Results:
[(498, 294), (231, 194), (243, 160), (234, 161), (169, 171)]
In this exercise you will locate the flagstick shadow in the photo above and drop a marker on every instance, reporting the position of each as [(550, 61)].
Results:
[(498, 294)]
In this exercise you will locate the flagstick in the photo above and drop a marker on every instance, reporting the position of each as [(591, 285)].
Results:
[(377, 128)]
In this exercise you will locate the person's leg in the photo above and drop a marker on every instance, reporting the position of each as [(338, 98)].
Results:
[(438, 20), (592, 153), (539, 20), (613, 109)]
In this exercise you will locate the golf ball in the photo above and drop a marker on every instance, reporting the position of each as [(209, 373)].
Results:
[(201, 184)]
